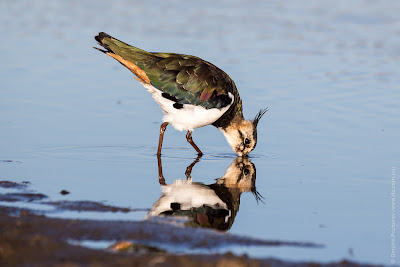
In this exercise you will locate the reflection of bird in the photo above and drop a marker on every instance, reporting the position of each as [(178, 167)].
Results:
[(191, 92), (212, 206)]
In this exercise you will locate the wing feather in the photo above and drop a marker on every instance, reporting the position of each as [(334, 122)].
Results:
[(189, 79)]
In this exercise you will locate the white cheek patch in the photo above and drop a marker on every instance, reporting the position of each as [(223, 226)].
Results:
[(236, 140)]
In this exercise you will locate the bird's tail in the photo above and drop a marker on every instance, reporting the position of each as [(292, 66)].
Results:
[(127, 55), (116, 46)]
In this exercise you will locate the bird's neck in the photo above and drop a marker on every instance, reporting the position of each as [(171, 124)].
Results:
[(232, 117)]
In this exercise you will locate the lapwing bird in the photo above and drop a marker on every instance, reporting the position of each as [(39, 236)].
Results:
[(191, 92)]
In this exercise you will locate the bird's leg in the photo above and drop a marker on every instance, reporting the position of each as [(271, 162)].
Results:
[(189, 168), (162, 130), (161, 179), (190, 140)]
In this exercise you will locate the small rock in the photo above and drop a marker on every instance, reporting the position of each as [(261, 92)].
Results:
[(64, 192)]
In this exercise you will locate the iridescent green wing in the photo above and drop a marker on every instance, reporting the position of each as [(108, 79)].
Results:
[(187, 79), (191, 80)]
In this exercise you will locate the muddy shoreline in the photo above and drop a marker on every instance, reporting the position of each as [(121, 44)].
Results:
[(28, 239)]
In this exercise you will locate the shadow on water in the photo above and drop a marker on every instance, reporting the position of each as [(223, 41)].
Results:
[(210, 206)]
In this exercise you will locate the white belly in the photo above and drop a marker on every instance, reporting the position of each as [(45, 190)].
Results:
[(189, 117), (189, 195)]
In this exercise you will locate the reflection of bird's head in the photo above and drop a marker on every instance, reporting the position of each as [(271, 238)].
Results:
[(240, 174)]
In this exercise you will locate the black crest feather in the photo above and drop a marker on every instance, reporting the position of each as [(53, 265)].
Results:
[(259, 115)]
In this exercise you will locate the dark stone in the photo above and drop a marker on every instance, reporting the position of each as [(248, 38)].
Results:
[(64, 192)]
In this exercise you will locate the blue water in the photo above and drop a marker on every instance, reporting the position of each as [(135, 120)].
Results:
[(72, 118)]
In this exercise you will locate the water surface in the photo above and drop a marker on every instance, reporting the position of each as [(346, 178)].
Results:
[(73, 119)]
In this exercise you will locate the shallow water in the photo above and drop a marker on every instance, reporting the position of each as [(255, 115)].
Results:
[(73, 119)]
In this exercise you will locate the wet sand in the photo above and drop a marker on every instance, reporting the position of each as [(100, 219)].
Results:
[(28, 239)]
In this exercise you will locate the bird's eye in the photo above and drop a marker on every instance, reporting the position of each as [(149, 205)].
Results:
[(247, 141), (246, 171)]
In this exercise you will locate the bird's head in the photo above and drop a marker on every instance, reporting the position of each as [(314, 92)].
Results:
[(242, 134)]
